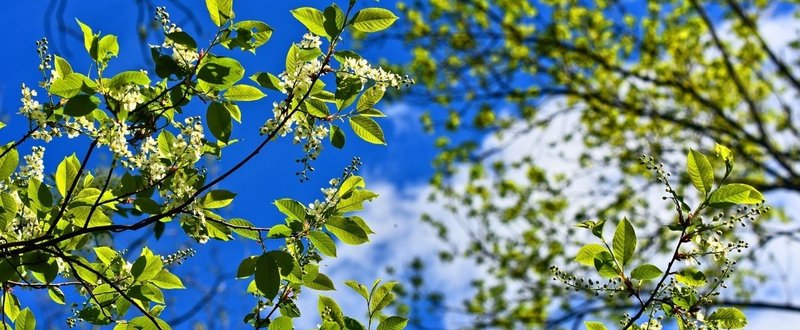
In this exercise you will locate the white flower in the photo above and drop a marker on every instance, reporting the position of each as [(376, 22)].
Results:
[(34, 164), (310, 41), (129, 96), (652, 324)]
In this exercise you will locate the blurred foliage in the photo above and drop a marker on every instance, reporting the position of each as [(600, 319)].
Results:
[(518, 88)]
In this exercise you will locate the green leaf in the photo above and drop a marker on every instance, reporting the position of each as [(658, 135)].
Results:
[(152, 293), (354, 201), (246, 233), (25, 320), (268, 278), (56, 295), (9, 162), (723, 152), (342, 55), (249, 35), (218, 119), (347, 88), (146, 268), (393, 323), (267, 80), (347, 230), (367, 129), (381, 297), (334, 21), (350, 184), (291, 208), (285, 261), (735, 193), (728, 318), (147, 205), (372, 112), (129, 77), (66, 173), (182, 38), (361, 223), (593, 325), (700, 171), (624, 243), (9, 209), (81, 105), (279, 231), (220, 72), (358, 287), (166, 280), (311, 18), (323, 243), (646, 272), (62, 66), (217, 199), (39, 195), (329, 307), (107, 47), (369, 98), (243, 93), (105, 254), (144, 323), (88, 36), (281, 323), (337, 136), (247, 267), (320, 282), (373, 19), (353, 324), (317, 108), (220, 11), (587, 253), (691, 277), (69, 85), (605, 265)]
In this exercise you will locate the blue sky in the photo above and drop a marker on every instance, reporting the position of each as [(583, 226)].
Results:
[(399, 171), (268, 177)]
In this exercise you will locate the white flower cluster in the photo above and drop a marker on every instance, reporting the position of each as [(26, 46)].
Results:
[(32, 109), (187, 150), (310, 41), (75, 126), (299, 81), (712, 245), (280, 111), (34, 164), (148, 160), (184, 56), (382, 78), (313, 137), (652, 324), (317, 208), (26, 226), (129, 96), (190, 140), (115, 136)]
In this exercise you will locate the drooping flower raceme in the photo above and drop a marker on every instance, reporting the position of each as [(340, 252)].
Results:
[(382, 78), (115, 136)]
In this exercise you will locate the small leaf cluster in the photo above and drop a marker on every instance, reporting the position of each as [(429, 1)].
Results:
[(57, 228), (673, 291)]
